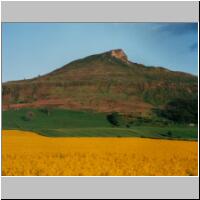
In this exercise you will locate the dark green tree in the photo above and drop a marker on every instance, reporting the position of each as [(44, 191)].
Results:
[(181, 110), (114, 119)]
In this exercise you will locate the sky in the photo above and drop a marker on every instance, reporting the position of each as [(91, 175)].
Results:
[(32, 49)]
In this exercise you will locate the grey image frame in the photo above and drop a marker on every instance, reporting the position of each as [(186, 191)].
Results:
[(100, 187)]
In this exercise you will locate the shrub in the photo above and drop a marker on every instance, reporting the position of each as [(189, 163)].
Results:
[(169, 133), (46, 110), (114, 119), (29, 116)]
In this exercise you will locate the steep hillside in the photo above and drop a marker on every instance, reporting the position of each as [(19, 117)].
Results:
[(103, 82)]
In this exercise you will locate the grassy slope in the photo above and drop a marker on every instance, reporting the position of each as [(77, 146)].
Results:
[(65, 123)]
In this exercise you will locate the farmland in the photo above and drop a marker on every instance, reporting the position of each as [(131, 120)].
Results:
[(60, 142), (29, 154), (69, 123)]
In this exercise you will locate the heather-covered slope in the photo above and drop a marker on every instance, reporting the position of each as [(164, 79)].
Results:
[(104, 82)]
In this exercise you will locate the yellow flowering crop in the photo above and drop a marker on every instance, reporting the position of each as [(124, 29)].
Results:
[(28, 154)]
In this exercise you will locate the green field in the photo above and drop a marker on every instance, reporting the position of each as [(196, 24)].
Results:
[(68, 123)]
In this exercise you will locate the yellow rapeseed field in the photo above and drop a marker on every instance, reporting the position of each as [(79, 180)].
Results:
[(28, 154)]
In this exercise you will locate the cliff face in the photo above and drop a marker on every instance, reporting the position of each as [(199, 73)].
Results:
[(119, 54)]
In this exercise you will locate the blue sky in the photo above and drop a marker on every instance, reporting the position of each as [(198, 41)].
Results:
[(32, 49)]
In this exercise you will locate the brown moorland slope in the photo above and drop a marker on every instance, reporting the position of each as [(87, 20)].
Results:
[(103, 82)]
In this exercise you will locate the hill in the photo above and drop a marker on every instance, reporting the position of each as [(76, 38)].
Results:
[(103, 82)]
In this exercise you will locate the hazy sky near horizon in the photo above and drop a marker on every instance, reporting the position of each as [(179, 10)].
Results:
[(32, 49)]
